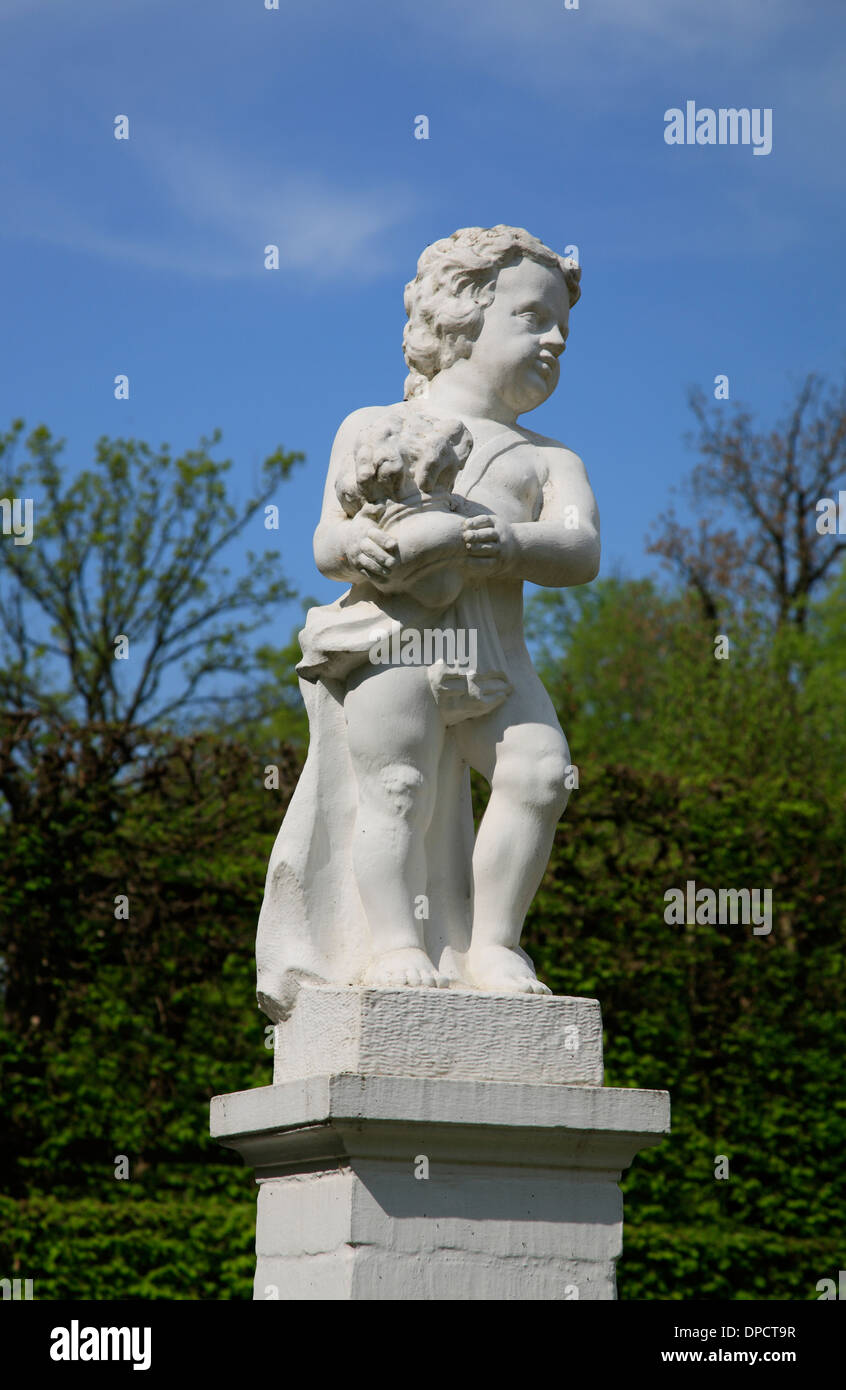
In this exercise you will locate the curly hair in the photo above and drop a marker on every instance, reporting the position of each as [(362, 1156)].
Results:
[(454, 284), (399, 446)]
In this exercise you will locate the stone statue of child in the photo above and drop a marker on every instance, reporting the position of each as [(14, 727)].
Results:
[(488, 319)]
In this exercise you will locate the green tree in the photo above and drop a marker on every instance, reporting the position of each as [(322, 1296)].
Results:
[(756, 493), (132, 547)]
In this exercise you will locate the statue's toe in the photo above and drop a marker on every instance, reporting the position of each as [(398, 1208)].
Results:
[(408, 967)]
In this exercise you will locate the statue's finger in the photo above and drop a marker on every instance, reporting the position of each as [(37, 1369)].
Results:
[(373, 569), (382, 539), (374, 550)]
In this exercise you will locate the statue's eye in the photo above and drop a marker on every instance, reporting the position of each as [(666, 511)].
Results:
[(531, 315)]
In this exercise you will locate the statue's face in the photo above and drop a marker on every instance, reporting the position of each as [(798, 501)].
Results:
[(523, 334)]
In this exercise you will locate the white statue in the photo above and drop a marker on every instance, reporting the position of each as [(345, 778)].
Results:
[(436, 511)]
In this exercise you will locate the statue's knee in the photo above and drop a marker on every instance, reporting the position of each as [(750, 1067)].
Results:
[(538, 777)]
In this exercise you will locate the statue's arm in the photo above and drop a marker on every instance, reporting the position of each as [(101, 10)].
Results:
[(350, 548), (561, 548)]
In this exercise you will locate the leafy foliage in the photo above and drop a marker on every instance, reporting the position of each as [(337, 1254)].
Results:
[(756, 494), (131, 547)]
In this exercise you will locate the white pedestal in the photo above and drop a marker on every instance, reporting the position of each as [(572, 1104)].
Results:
[(422, 1144)]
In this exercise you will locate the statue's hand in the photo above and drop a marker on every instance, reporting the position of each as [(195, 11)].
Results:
[(369, 550), (489, 544), (426, 559)]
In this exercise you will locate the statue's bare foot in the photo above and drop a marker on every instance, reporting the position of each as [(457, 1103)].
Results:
[(407, 966), (501, 971)]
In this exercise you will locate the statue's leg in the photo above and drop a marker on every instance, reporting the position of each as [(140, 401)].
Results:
[(395, 737), (521, 749)]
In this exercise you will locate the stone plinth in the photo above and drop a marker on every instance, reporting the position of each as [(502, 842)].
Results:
[(459, 1035), (390, 1166)]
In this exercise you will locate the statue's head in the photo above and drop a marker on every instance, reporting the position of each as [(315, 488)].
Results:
[(402, 456), (456, 282)]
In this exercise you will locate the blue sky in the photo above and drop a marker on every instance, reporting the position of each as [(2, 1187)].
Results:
[(295, 127)]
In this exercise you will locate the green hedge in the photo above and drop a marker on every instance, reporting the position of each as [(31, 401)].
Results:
[(131, 1246), (708, 1262), (134, 1246)]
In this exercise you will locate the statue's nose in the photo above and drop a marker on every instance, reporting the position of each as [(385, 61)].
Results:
[(554, 340)]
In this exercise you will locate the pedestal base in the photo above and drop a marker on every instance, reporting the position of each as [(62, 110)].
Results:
[(377, 1185)]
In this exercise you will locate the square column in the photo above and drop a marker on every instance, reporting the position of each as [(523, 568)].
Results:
[(400, 1156)]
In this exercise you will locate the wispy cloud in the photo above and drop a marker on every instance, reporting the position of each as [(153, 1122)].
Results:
[(216, 214), (319, 227)]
